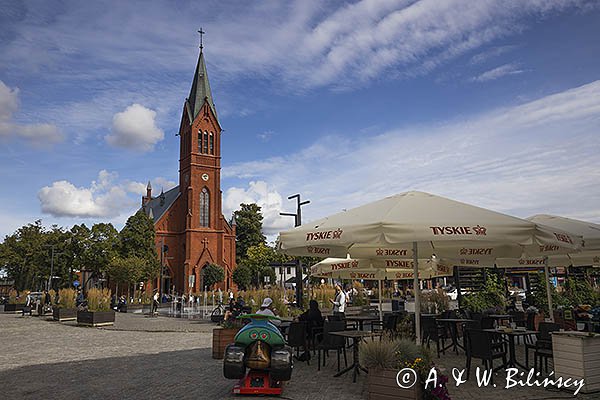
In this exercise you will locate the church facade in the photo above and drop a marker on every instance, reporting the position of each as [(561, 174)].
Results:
[(191, 231)]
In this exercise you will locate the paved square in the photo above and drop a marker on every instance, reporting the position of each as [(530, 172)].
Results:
[(155, 358)]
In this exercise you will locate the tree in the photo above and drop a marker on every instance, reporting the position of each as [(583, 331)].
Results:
[(126, 269), (212, 274), (242, 276), (259, 259), (24, 257), (248, 229), (137, 239), (102, 245)]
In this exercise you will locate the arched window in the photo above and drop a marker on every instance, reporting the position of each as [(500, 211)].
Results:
[(204, 207), (205, 142), (211, 145), (199, 141)]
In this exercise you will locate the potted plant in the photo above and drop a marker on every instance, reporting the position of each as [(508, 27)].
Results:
[(575, 355), (15, 304), (386, 359), (98, 311), (224, 335), (64, 309)]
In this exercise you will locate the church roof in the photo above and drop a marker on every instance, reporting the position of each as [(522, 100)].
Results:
[(157, 206), (200, 89)]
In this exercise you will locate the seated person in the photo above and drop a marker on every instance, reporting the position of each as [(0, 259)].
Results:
[(312, 317), (266, 308)]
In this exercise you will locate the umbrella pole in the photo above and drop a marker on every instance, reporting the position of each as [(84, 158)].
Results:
[(548, 291), (417, 294), (379, 291)]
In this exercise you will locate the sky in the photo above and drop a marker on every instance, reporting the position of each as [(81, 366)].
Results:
[(493, 103)]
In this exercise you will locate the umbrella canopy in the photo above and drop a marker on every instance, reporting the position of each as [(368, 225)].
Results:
[(447, 228), (432, 225), (348, 268)]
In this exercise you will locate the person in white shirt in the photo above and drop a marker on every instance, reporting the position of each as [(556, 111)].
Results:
[(339, 304), (266, 308)]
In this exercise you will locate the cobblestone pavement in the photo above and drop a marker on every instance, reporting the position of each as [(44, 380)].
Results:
[(155, 358)]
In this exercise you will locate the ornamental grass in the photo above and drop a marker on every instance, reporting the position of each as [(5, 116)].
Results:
[(66, 298), (98, 299)]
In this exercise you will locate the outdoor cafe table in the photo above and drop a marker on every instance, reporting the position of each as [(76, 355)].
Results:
[(452, 323), (501, 317), (361, 319), (356, 337), (512, 335)]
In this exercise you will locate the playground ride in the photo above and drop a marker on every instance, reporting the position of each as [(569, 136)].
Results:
[(260, 348)]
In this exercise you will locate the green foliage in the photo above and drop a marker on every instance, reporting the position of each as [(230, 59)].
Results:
[(259, 259), (574, 293), (98, 299), (491, 297), (248, 229), (394, 354), (137, 242), (212, 274), (242, 276), (67, 298), (435, 301), (126, 270)]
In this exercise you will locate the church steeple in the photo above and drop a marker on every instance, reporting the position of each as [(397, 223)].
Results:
[(200, 91)]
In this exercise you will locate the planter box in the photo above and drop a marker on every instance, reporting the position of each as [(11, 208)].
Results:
[(382, 385), (221, 338), (95, 318), (577, 355), (13, 308), (64, 314)]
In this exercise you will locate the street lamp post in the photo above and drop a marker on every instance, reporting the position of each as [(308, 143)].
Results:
[(297, 222), (49, 283)]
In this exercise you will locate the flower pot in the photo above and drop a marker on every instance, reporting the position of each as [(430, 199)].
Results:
[(13, 308), (64, 314), (382, 385), (576, 355), (221, 338), (95, 318)]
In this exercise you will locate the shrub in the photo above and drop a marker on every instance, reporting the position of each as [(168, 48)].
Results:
[(435, 301), (12, 297), (98, 300), (490, 297), (66, 298), (52, 294)]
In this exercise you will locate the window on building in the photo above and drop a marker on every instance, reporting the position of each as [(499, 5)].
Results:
[(204, 207), (206, 142), (211, 145), (289, 270), (200, 141)]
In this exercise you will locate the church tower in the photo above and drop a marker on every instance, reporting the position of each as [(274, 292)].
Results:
[(191, 223)]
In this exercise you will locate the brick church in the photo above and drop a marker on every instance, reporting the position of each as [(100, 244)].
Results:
[(190, 227)]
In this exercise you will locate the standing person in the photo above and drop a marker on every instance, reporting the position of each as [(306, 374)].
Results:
[(27, 308), (339, 304), (155, 302)]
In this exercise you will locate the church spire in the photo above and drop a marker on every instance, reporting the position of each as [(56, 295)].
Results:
[(200, 91)]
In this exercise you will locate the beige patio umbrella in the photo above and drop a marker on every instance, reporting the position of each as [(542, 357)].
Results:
[(421, 222), (377, 270), (588, 255)]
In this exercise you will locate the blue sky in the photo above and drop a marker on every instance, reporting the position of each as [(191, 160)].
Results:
[(494, 103)]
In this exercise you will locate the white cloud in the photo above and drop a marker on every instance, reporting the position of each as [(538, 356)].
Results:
[(35, 134), (106, 197), (269, 200), (498, 72), (352, 43), (538, 157), (135, 129)]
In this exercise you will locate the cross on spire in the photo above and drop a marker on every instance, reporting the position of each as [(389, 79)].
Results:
[(201, 32)]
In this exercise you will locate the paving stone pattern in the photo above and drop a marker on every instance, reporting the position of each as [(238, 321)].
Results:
[(163, 358)]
